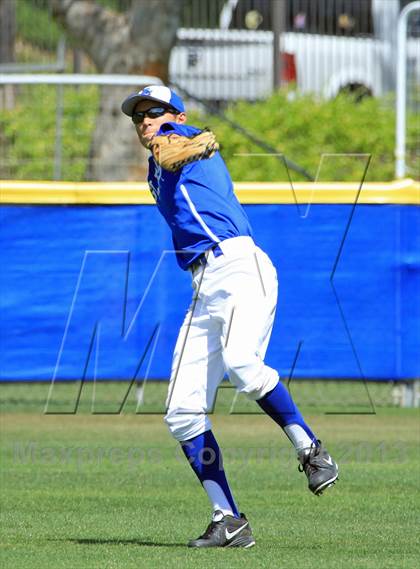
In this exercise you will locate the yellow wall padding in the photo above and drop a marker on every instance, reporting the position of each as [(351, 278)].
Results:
[(29, 192)]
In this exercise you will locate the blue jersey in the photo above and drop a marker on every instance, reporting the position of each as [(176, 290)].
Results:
[(197, 202)]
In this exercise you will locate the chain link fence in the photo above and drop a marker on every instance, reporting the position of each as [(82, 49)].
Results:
[(148, 397)]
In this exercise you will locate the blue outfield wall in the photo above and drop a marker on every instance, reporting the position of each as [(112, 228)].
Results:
[(85, 290)]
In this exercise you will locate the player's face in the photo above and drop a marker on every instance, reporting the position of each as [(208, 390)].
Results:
[(147, 129)]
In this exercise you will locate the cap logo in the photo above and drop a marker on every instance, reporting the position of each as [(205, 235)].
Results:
[(157, 92)]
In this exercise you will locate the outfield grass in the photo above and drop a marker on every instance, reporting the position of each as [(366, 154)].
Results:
[(97, 491)]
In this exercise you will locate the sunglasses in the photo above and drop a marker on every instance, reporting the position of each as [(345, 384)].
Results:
[(152, 113)]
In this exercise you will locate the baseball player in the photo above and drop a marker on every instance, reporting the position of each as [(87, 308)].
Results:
[(229, 322)]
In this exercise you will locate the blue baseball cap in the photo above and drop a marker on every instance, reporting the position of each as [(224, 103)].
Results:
[(157, 93)]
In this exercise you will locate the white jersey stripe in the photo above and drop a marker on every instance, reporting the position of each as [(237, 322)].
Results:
[(198, 216)]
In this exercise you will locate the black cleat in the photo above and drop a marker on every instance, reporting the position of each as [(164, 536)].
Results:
[(319, 467), (225, 531)]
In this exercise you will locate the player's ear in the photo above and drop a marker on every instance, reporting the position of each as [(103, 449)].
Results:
[(181, 118)]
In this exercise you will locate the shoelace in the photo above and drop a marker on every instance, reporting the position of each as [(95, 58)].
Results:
[(306, 464), (210, 528)]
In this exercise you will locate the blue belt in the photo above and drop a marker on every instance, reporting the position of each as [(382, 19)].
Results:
[(201, 261)]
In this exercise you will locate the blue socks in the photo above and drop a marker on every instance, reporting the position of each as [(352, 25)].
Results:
[(279, 405), (204, 455)]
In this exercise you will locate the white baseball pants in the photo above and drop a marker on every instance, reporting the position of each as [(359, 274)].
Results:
[(227, 329)]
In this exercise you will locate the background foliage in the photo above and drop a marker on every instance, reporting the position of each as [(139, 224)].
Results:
[(27, 133), (35, 25), (303, 128)]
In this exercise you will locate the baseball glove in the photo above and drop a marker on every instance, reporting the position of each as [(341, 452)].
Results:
[(173, 151)]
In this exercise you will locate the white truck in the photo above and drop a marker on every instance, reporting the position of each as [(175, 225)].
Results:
[(229, 64)]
